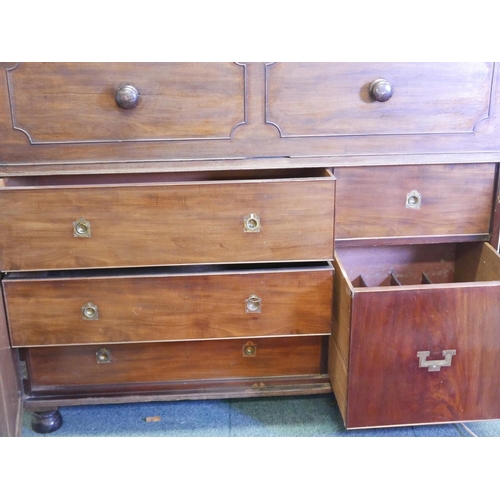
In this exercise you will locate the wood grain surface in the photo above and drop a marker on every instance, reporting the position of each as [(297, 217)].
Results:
[(168, 307), (166, 223), (455, 200), (174, 361)]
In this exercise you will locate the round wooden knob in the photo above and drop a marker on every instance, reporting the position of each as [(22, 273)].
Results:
[(381, 90), (127, 96)]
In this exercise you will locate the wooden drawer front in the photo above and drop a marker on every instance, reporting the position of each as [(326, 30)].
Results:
[(75, 103), (169, 307), (386, 384), (333, 99), (455, 200), (173, 361), (162, 224)]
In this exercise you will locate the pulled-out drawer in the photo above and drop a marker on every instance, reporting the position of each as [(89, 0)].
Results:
[(147, 366), (415, 336), (446, 202), (178, 303), (163, 219)]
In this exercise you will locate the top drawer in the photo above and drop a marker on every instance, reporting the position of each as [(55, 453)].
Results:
[(450, 202), (81, 103), (166, 219), (334, 99)]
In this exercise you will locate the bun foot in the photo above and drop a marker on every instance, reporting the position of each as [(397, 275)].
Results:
[(44, 422)]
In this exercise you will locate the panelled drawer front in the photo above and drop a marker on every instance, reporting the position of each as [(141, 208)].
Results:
[(333, 99), (173, 361), (169, 307), (162, 224), (421, 200), (432, 355), (78, 103)]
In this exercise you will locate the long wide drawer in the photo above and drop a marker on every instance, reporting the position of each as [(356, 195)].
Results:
[(166, 219), (415, 337), (63, 368), (179, 304)]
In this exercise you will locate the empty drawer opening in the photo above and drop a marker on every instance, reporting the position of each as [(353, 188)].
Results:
[(420, 264), (214, 176)]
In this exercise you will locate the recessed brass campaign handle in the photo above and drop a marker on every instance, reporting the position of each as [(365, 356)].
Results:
[(103, 355), (249, 350), (434, 365), (253, 304), (90, 311), (251, 223), (413, 199), (81, 228)]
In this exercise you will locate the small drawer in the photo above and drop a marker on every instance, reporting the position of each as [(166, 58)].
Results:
[(451, 202), (147, 366), (179, 303), (163, 219), (415, 336), (95, 103), (377, 99)]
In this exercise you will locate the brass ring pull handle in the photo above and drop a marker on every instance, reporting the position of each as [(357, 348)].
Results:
[(251, 223), (81, 228), (380, 90), (90, 312), (434, 365), (413, 199), (249, 350), (254, 304), (127, 96), (103, 355)]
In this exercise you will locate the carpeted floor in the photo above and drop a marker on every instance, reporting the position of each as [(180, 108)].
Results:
[(305, 416)]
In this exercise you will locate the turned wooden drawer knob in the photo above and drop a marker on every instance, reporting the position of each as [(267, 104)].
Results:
[(381, 90), (127, 96)]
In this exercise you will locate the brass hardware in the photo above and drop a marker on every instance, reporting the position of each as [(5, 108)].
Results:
[(380, 90), (81, 228), (253, 304), (249, 350), (90, 311), (103, 355), (127, 96), (434, 365), (259, 385), (251, 223), (413, 199)]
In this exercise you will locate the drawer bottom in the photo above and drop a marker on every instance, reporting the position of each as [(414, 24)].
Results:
[(177, 370)]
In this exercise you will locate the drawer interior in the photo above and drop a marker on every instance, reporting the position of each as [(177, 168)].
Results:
[(165, 177), (403, 265)]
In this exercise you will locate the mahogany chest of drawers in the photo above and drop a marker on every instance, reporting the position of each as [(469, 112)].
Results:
[(214, 230)]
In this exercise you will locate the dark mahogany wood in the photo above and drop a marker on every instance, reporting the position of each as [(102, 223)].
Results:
[(456, 201), (145, 308), (386, 386), (219, 111), (10, 396), (71, 103), (167, 222), (75, 368)]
